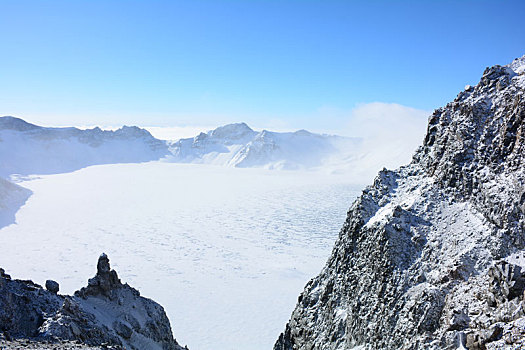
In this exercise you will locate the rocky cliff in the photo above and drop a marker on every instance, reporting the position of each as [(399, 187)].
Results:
[(105, 314), (432, 255)]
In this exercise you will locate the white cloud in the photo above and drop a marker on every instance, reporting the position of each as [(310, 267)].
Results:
[(177, 132), (390, 135), (387, 120), (391, 132)]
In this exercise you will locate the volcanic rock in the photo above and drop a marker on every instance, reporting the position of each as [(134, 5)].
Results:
[(106, 313), (52, 286)]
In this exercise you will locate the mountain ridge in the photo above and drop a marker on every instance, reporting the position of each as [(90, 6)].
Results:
[(238, 145), (27, 149)]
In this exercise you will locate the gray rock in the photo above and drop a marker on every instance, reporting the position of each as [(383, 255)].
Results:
[(4, 275), (122, 329), (52, 286), (458, 320), (104, 282), (105, 313), (75, 330)]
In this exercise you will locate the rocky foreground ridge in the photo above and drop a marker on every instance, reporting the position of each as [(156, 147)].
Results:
[(432, 255), (106, 314)]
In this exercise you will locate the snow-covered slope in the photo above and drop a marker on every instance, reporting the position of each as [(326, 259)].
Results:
[(238, 145), (30, 149), (432, 255), (12, 197)]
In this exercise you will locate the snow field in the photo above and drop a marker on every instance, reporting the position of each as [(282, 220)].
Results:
[(226, 251)]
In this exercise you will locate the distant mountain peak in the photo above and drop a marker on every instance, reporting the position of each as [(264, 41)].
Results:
[(303, 132), (235, 130), (14, 123)]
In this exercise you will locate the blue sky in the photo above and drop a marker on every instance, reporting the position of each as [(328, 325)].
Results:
[(281, 64)]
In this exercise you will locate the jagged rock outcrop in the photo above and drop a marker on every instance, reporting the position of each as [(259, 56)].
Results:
[(105, 313), (431, 255)]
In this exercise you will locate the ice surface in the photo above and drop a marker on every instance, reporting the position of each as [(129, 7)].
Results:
[(226, 251)]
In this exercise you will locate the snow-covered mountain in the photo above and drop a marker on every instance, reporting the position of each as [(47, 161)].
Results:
[(432, 255), (30, 149), (238, 145)]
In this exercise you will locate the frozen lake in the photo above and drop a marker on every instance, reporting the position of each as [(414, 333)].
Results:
[(226, 251)]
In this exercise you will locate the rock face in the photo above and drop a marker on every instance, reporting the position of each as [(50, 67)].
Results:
[(52, 286), (432, 255), (106, 312)]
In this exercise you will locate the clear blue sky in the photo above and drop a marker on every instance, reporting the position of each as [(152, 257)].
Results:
[(210, 62)]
